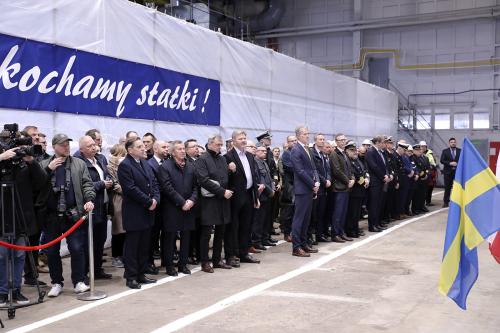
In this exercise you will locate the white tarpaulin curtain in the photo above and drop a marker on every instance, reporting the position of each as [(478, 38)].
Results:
[(260, 89)]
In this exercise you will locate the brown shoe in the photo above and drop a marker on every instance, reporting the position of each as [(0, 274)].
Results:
[(288, 238), (337, 239), (207, 268), (223, 265), (300, 253), (308, 249), (252, 249)]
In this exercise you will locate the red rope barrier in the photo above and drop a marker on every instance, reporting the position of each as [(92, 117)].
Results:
[(49, 244)]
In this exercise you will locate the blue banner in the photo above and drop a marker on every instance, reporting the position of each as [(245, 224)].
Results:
[(42, 76)]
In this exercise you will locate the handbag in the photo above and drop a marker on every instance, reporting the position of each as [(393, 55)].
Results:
[(206, 193)]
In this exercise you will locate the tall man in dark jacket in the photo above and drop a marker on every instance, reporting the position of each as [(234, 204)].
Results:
[(192, 154), (140, 199), (318, 221), (379, 180), (212, 175), (287, 198), (306, 186), (160, 155), (343, 181), (179, 190), (244, 184), (99, 174), (449, 160)]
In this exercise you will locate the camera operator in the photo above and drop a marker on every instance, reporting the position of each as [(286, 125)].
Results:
[(68, 194), (28, 177)]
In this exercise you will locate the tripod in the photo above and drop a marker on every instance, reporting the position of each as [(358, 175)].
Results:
[(12, 218)]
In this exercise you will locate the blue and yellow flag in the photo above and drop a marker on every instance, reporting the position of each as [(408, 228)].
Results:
[(474, 214)]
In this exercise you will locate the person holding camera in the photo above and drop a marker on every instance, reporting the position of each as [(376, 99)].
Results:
[(68, 194), (28, 177)]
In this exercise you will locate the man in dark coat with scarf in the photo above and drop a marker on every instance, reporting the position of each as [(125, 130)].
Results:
[(212, 175)]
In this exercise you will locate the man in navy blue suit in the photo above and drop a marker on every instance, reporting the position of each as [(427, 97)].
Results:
[(140, 199), (379, 180), (306, 186)]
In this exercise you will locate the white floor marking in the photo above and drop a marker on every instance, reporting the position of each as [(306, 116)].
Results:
[(437, 193), (331, 298), (245, 294), (182, 322)]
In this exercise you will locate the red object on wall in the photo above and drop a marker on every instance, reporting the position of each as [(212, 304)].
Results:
[(494, 150)]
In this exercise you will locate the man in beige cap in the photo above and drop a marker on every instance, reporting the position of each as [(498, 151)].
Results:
[(68, 195)]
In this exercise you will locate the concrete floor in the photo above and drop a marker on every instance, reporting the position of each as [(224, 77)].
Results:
[(388, 283)]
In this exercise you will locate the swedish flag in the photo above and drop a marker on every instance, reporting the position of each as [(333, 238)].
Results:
[(474, 214)]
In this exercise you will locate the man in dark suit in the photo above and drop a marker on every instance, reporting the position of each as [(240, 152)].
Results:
[(306, 186), (140, 198), (287, 199), (263, 218), (449, 160), (318, 221), (244, 183), (179, 190), (192, 154), (160, 150), (379, 180)]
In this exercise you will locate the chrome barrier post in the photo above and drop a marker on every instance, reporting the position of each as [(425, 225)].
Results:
[(92, 294)]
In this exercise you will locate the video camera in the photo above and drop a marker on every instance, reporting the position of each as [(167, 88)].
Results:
[(10, 138)]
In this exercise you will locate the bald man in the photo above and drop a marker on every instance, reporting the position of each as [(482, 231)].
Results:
[(160, 154), (102, 183)]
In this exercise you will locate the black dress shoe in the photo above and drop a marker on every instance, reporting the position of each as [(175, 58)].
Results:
[(222, 264), (152, 270), (193, 261), (446, 205), (424, 209), (184, 270), (133, 284), (32, 282), (101, 275), (351, 235), (268, 243), (361, 233), (233, 262), (144, 279), (171, 271), (249, 259), (260, 247), (382, 227), (322, 239), (272, 240), (275, 233), (347, 239), (374, 229)]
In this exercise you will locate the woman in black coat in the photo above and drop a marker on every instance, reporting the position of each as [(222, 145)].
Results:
[(212, 174), (178, 187)]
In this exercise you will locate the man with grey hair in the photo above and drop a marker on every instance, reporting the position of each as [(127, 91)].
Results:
[(212, 174), (306, 186), (245, 185)]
